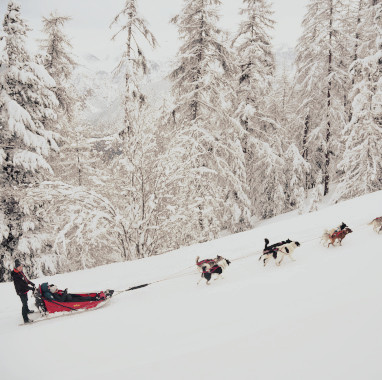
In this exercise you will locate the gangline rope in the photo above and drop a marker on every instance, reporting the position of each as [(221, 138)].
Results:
[(180, 274)]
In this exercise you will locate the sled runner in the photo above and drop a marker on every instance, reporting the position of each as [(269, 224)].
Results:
[(44, 316), (76, 301)]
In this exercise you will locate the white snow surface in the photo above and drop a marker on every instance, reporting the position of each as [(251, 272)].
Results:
[(318, 317)]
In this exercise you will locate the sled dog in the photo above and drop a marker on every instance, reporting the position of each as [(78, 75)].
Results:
[(212, 268), (377, 224), (278, 251), (329, 238)]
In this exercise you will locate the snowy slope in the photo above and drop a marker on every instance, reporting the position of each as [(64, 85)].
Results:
[(316, 318)]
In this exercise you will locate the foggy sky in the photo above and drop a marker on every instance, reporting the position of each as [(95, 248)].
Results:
[(90, 33)]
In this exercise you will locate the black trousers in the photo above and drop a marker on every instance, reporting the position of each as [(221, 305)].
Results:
[(25, 309)]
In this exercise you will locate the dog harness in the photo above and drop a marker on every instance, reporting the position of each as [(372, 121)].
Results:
[(270, 250), (212, 270), (336, 233), (207, 261)]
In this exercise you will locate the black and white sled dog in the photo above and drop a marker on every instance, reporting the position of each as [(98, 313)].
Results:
[(278, 251), (212, 268)]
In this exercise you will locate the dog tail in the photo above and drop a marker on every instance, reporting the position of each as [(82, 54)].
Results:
[(266, 243), (197, 259), (370, 222)]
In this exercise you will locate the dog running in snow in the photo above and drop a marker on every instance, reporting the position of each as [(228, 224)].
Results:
[(278, 251), (341, 227), (212, 268), (329, 238), (377, 224)]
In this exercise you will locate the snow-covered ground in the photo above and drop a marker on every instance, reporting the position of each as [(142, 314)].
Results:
[(316, 318)]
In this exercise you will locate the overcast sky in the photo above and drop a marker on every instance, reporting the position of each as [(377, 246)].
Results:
[(90, 33)]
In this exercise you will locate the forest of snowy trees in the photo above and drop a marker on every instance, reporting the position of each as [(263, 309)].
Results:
[(236, 140)]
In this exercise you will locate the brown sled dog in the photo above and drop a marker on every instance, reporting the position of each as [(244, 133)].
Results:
[(337, 236)]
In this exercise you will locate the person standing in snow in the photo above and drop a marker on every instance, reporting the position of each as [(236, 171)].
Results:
[(22, 287)]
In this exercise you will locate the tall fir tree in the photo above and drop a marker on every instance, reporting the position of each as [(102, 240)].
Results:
[(27, 106), (255, 60), (133, 64), (58, 60), (361, 162), (202, 88), (255, 79), (60, 63), (321, 75)]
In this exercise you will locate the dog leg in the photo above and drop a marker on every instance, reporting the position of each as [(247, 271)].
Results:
[(291, 257)]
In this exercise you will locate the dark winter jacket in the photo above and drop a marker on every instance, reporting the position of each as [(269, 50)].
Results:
[(46, 292), (22, 284)]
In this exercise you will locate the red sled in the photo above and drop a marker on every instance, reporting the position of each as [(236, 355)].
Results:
[(73, 303)]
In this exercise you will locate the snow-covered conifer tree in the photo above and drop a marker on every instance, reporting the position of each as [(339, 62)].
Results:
[(256, 69), (59, 63), (255, 60), (27, 106), (361, 162), (315, 194), (322, 77), (295, 171), (133, 63), (201, 83)]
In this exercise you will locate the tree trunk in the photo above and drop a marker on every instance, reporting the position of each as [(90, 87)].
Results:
[(305, 151), (327, 137)]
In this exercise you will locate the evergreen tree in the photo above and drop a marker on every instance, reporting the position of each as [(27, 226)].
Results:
[(295, 171), (321, 77), (133, 63), (255, 109), (60, 64), (361, 162), (316, 194), (255, 61), (27, 106), (202, 88)]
